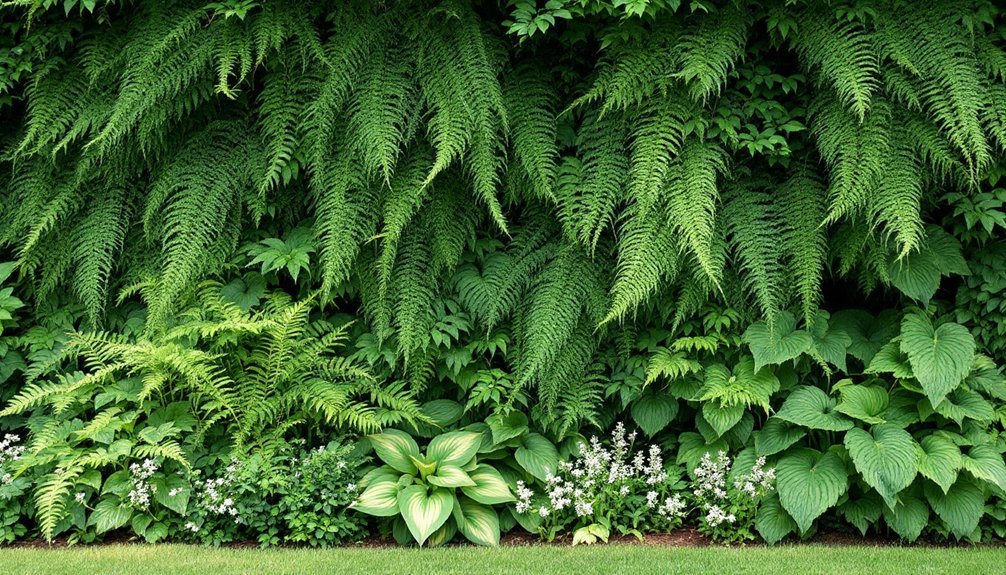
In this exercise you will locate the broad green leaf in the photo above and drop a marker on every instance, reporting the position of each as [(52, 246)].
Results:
[(961, 508), (480, 523), (504, 427), (985, 462), (380, 498), (396, 448), (863, 511), (778, 344), (809, 483), (865, 403), (109, 514), (918, 274), (890, 359), (963, 404), (772, 521), (830, 342), (939, 460), (908, 518), (653, 412), (537, 455), (777, 435), (722, 419), (490, 488), (454, 448), (450, 476), (424, 511), (692, 446), (886, 458), (941, 357), (811, 407), (868, 334)]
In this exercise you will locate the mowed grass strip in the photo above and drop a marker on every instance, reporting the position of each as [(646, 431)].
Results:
[(607, 560)]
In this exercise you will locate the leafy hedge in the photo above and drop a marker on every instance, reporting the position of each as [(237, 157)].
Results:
[(238, 232)]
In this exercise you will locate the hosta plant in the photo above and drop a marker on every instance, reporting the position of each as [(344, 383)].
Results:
[(435, 494)]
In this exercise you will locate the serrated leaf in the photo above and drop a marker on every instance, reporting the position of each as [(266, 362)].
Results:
[(777, 435), (109, 514), (939, 460), (742, 386), (811, 407), (962, 404), (809, 483), (865, 403), (653, 412), (941, 357), (985, 462), (886, 458), (890, 359), (908, 518), (961, 508), (781, 343), (772, 521), (722, 419)]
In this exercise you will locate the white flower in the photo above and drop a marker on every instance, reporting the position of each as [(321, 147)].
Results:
[(351, 488), (174, 491), (80, 496), (543, 511)]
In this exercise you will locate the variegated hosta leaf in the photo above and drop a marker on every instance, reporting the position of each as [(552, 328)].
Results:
[(454, 448), (424, 511), (380, 498), (396, 448), (480, 524), (450, 476), (490, 488)]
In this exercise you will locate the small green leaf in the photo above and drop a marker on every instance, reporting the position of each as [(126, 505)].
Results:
[(862, 402), (986, 463), (109, 514), (777, 435), (772, 521), (939, 460), (721, 419), (908, 518)]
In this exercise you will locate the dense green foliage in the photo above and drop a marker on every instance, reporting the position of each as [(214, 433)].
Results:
[(238, 231)]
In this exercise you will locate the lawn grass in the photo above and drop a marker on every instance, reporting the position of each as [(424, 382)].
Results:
[(606, 560)]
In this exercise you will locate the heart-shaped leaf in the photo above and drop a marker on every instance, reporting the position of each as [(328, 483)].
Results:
[(809, 483)]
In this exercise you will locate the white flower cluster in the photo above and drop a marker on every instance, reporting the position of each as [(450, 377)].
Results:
[(10, 450), (710, 486), (213, 493), (139, 496), (579, 482), (758, 482)]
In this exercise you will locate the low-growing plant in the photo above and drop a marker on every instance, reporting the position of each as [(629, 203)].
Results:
[(602, 490), (435, 494)]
